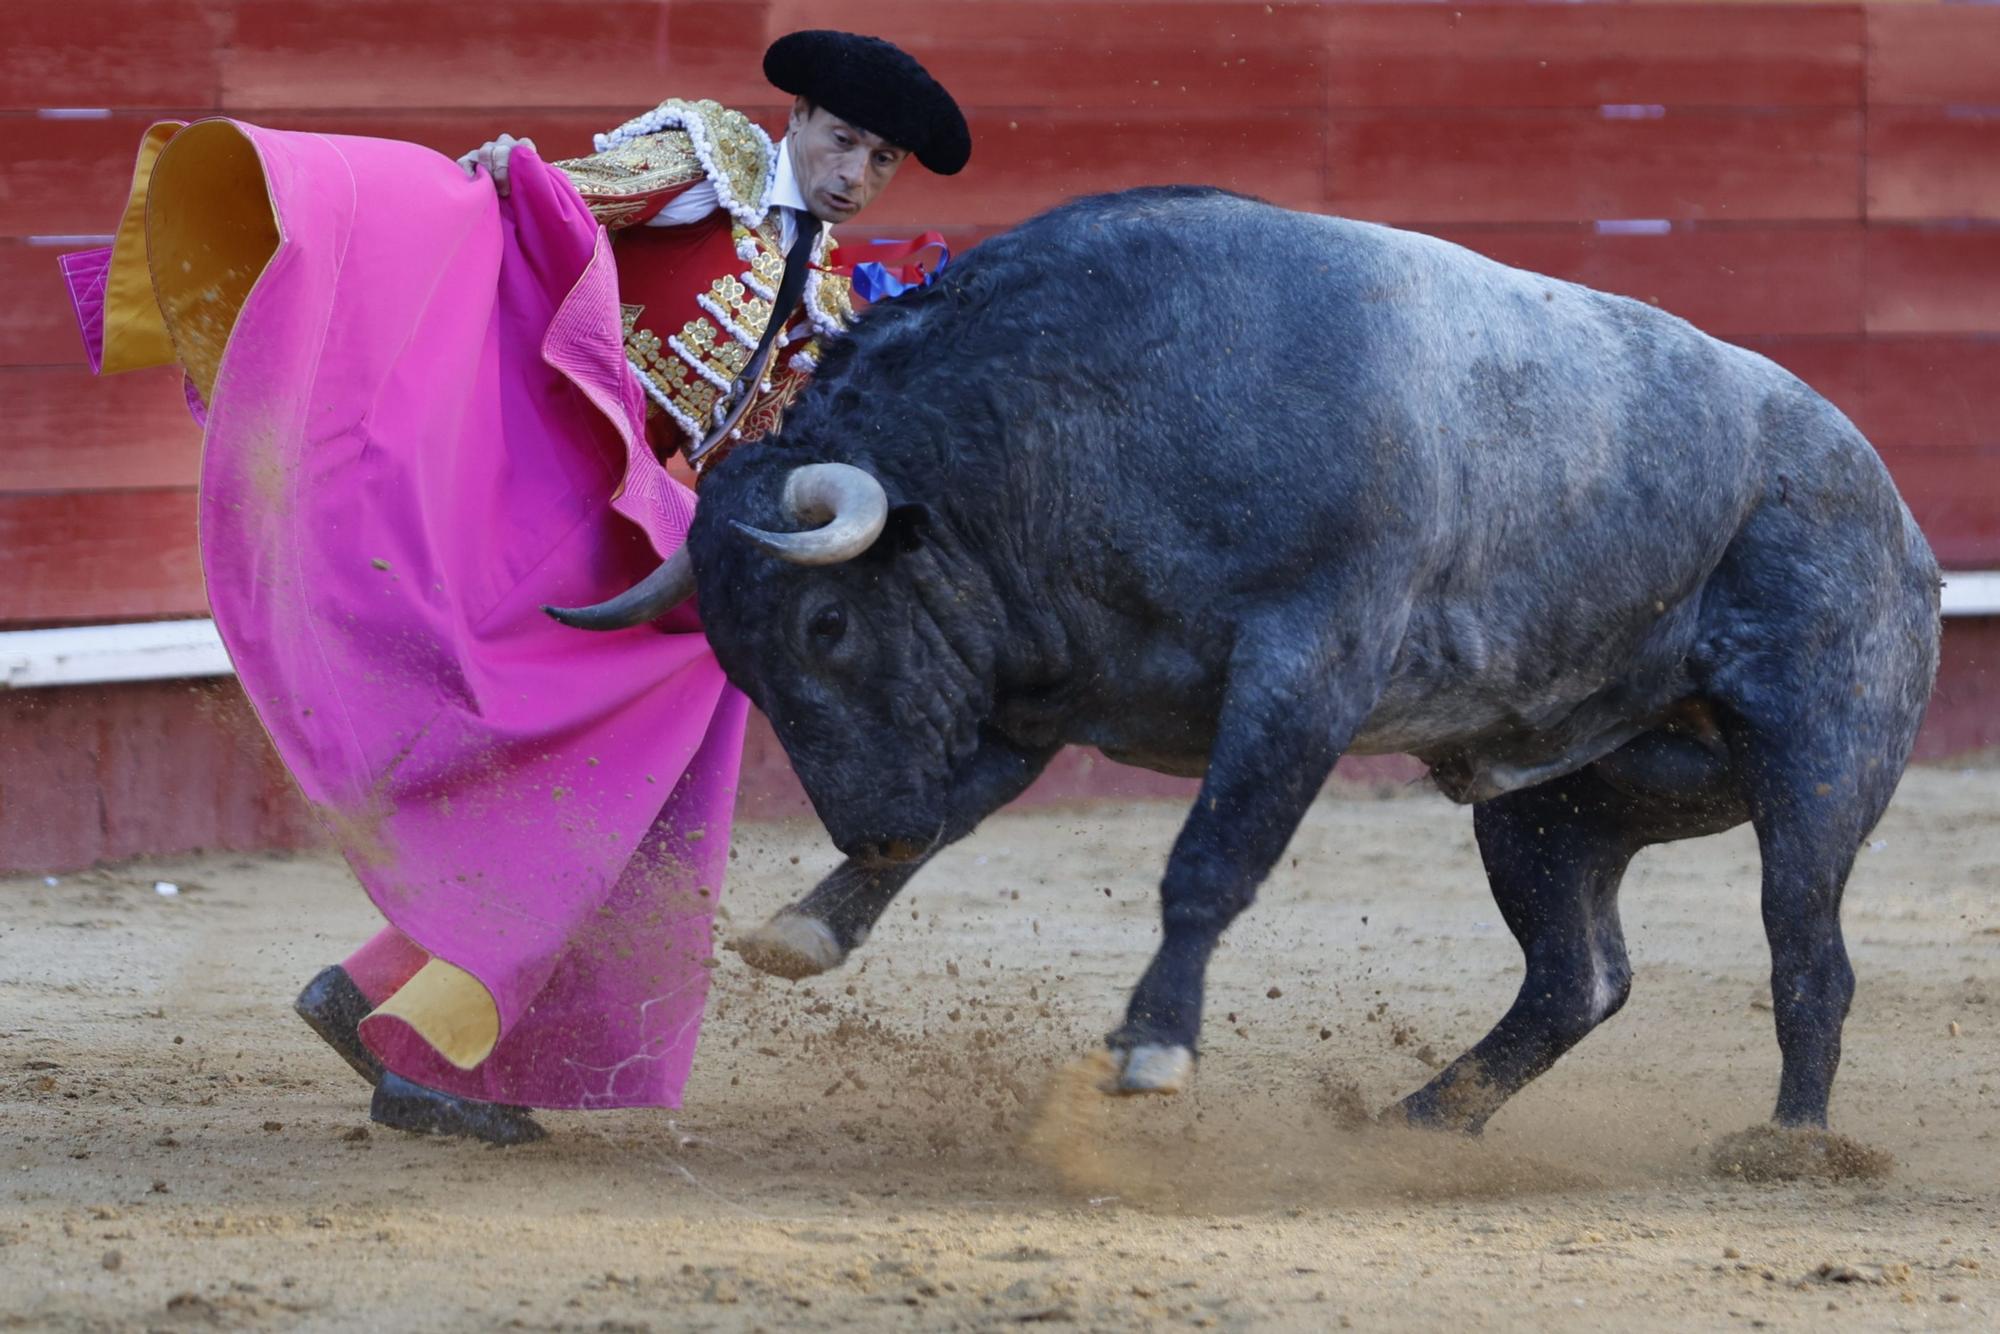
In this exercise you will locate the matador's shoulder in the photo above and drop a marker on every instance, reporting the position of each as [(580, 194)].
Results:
[(652, 157)]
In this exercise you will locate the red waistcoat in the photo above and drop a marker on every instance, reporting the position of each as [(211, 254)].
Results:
[(696, 300), (697, 297)]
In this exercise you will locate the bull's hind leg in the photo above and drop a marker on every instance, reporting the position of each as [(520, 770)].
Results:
[(1815, 788), (1820, 708), (1555, 856)]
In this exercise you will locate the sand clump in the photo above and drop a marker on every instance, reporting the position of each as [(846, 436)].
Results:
[(1798, 1153), (1252, 1148)]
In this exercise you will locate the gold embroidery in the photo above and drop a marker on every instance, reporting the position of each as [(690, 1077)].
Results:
[(832, 299), (741, 307), (735, 150), (766, 415), (710, 353), (670, 382), (686, 373), (731, 151), (768, 267), (617, 183)]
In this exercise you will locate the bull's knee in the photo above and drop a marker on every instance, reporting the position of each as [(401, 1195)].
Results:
[(791, 945)]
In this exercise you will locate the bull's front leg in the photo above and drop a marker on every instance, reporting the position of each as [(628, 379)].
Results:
[(1283, 725), (818, 932)]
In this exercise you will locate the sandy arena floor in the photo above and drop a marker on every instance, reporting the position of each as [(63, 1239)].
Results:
[(896, 1146)]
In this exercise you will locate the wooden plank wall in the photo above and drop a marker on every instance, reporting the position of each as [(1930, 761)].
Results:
[(1818, 181), (1815, 181)]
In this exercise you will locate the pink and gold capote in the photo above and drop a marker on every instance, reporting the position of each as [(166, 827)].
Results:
[(420, 428)]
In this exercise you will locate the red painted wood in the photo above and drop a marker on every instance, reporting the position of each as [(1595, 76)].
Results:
[(1562, 166), (501, 55), (1836, 367), (1513, 55), (1938, 279), (70, 430), (1182, 57), (1932, 55), (557, 133), (1962, 717), (1934, 392), (97, 773), (100, 773), (1906, 394), (1025, 164), (110, 53), (37, 327), (98, 556), (1729, 281), (66, 176), (187, 764), (1933, 164), (1954, 492)]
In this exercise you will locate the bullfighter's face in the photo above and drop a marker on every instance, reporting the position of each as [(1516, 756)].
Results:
[(840, 167)]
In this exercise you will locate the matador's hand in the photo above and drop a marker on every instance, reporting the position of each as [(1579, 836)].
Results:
[(493, 156)]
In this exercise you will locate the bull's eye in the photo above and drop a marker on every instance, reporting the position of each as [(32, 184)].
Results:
[(828, 624)]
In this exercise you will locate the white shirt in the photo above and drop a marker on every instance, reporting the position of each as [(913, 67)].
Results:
[(699, 200)]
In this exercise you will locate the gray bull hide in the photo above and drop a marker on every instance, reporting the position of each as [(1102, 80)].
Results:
[(1231, 491)]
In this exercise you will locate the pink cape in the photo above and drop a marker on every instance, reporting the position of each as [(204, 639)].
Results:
[(423, 429)]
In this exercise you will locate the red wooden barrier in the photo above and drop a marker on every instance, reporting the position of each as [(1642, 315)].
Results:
[(98, 556), (1732, 281), (1832, 173), (1940, 279), (158, 768), (1563, 166), (1932, 55), (111, 53), (1926, 164), (36, 326), (1510, 55), (74, 433)]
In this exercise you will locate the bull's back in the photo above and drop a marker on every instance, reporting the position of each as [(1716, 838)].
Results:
[(1551, 473)]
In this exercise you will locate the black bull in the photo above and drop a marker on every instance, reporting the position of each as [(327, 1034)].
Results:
[(1229, 491)]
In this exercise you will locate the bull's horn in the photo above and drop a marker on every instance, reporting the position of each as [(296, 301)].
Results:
[(652, 597), (847, 502)]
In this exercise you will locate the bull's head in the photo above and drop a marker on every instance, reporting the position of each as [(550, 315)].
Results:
[(831, 642), (847, 503)]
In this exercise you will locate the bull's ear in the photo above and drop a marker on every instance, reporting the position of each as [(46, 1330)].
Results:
[(908, 527)]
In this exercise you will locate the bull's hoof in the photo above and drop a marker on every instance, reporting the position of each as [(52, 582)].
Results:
[(791, 945), (401, 1104), (1150, 1068), (334, 1007)]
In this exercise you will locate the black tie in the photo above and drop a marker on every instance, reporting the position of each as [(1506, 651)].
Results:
[(798, 261)]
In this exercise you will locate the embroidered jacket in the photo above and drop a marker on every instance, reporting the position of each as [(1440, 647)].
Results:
[(697, 297)]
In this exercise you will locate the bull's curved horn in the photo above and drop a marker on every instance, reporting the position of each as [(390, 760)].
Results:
[(847, 502), (652, 597)]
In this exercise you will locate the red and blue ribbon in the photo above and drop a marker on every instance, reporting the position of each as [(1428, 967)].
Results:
[(892, 274)]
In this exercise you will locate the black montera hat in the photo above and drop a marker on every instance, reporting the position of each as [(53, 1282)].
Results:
[(876, 85)]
